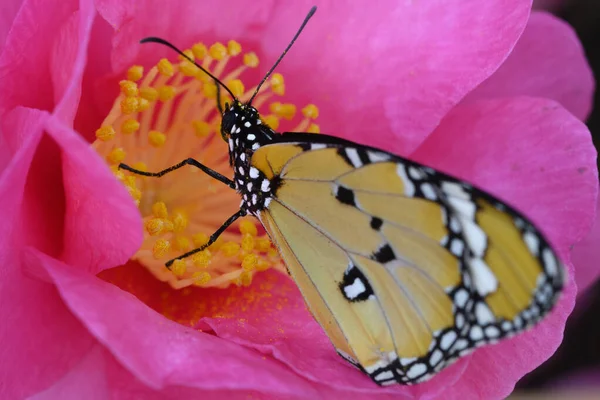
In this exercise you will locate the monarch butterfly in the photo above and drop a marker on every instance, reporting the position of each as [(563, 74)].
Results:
[(406, 268)]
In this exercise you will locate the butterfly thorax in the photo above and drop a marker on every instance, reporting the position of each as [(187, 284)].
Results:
[(245, 133)]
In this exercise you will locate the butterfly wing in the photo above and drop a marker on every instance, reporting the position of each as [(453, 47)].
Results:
[(405, 268)]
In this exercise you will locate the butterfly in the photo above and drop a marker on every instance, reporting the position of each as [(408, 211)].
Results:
[(405, 268)]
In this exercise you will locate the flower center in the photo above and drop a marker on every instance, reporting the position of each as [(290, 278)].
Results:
[(166, 115)]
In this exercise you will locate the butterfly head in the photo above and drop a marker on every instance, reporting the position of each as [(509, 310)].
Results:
[(238, 119)]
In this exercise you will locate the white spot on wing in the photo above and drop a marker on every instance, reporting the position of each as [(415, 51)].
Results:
[(354, 290), (384, 376), (455, 190), (353, 156), (416, 370), (532, 242), (253, 173), (483, 279), (464, 207), (265, 186), (251, 136), (475, 237), (377, 156), (247, 124), (317, 146), (483, 314), (409, 187), (550, 262)]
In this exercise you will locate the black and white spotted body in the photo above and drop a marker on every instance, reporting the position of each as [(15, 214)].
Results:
[(245, 133)]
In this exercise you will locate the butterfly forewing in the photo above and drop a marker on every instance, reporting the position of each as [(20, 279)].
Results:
[(406, 268)]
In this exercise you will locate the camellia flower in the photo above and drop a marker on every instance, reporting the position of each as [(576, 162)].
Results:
[(481, 90)]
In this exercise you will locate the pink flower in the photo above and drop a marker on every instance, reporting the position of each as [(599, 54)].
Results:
[(476, 89)]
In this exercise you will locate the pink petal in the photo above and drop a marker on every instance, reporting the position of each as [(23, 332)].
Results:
[(183, 23), (586, 254), (102, 225), (539, 157), (388, 71), (8, 11), (548, 61), (160, 352), (24, 65), (68, 59), (42, 339)]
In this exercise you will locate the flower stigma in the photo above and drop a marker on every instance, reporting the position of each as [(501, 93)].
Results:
[(168, 114)]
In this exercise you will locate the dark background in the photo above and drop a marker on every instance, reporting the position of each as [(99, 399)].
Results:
[(580, 350)]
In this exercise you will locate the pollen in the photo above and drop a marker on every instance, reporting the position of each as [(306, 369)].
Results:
[(251, 60), (156, 138), (135, 73), (168, 113), (105, 133), (165, 67), (218, 51), (129, 88)]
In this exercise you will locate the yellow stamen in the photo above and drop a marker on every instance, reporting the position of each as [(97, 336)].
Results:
[(156, 138), (161, 248), (218, 51), (105, 133), (176, 101), (251, 60), (166, 93), (116, 156), (165, 67), (135, 73), (129, 88), (234, 48), (313, 128), (129, 126)]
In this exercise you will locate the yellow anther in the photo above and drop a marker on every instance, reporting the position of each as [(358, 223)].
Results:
[(149, 93), (313, 128), (105, 133), (118, 174), (283, 110), (247, 242), (209, 90), (161, 248), (182, 243), (135, 193), (262, 265), (188, 69), (230, 249), (129, 126), (178, 268), (201, 128), (180, 220), (237, 87), (129, 88), (159, 210), (271, 120), (200, 239), (140, 165), (245, 278), (251, 60), (129, 180), (187, 52), (143, 104), (234, 48), (217, 51), (199, 51), (155, 226), (201, 278), (156, 138), (277, 84), (263, 244), (116, 156), (202, 258), (272, 252), (249, 227), (135, 73), (129, 105), (165, 67), (249, 262), (310, 111), (166, 93)]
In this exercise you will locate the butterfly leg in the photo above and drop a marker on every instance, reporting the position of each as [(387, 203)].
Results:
[(189, 161), (212, 237)]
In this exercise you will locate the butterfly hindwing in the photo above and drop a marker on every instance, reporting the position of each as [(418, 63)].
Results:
[(406, 268)]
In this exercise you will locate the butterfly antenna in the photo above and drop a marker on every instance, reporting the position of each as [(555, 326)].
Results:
[(152, 39), (308, 17)]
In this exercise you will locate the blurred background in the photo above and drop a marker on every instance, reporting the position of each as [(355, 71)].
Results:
[(576, 364)]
